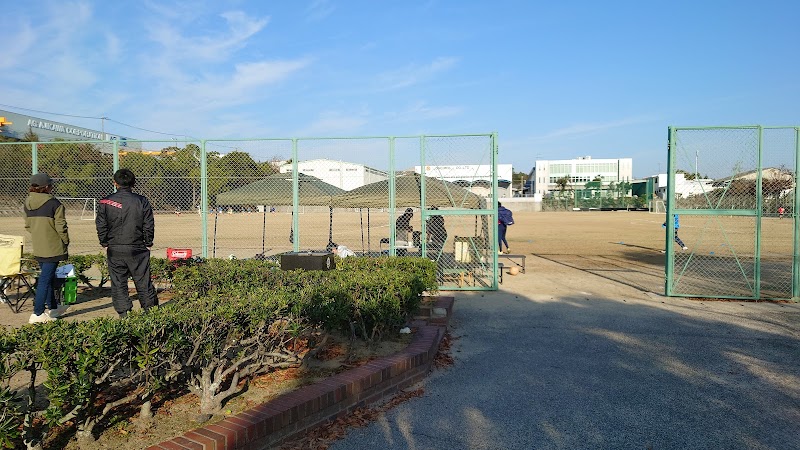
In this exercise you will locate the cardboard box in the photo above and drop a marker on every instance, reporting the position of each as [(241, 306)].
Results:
[(463, 249)]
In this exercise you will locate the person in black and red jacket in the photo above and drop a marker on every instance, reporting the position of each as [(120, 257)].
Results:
[(126, 228)]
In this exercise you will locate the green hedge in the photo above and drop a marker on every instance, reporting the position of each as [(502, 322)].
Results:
[(229, 321), (363, 296)]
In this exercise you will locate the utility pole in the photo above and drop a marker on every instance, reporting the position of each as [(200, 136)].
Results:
[(696, 174), (103, 127)]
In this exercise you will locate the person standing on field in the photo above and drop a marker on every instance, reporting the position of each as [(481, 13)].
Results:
[(403, 226), (677, 225), (45, 220), (780, 212), (437, 233), (126, 229), (504, 219), (404, 230)]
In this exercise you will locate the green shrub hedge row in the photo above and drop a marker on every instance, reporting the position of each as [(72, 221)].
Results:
[(229, 321)]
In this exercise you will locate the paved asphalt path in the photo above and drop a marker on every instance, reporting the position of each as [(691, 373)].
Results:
[(593, 367)]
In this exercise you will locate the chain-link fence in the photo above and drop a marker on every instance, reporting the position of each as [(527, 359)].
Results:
[(733, 192), (596, 195), (264, 197), (588, 199)]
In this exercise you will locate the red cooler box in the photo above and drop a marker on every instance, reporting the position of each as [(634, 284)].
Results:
[(178, 253)]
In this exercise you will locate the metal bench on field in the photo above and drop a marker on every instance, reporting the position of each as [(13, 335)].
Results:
[(513, 258)]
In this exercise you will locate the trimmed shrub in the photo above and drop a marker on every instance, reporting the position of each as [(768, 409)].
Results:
[(230, 321)]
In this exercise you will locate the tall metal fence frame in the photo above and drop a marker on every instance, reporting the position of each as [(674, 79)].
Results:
[(743, 230), (486, 212)]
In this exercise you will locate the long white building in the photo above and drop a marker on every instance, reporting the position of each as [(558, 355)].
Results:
[(348, 175), (475, 177), (342, 174), (579, 171)]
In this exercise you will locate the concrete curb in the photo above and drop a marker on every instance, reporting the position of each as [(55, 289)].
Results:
[(293, 414)]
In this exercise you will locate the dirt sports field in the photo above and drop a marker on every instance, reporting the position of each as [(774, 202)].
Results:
[(629, 234), (619, 247)]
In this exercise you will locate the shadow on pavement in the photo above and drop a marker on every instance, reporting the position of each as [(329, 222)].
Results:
[(587, 371)]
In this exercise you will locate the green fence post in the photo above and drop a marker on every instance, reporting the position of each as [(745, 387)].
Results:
[(115, 157), (796, 208), (295, 199), (670, 228), (759, 214), (204, 198), (34, 158), (495, 215), (392, 230), (423, 214)]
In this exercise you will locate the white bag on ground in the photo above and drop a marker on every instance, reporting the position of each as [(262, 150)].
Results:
[(344, 252), (65, 271)]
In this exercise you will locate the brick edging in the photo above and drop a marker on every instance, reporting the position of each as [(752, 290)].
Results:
[(308, 407)]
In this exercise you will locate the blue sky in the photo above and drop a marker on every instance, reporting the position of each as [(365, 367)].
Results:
[(555, 80)]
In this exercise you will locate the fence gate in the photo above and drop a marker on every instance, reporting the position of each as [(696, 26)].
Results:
[(732, 190)]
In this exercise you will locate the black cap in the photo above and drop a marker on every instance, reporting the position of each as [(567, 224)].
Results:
[(41, 179)]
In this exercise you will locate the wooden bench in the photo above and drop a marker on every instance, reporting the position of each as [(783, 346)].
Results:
[(459, 275)]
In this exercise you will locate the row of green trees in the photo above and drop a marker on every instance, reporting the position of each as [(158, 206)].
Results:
[(169, 178), (614, 189), (593, 195), (568, 203)]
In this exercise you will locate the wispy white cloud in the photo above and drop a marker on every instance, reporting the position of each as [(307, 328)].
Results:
[(242, 25), (420, 110), (582, 129), (199, 69), (414, 74), (319, 9), (177, 11), (113, 46), (253, 74), (71, 26), (215, 47), (19, 39), (335, 123), (53, 33), (54, 47), (72, 73), (238, 125), (243, 85)]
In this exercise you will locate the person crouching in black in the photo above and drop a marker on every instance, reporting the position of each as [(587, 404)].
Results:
[(437, 234)]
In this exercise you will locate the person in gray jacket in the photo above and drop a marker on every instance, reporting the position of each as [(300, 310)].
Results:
[(45, 220)]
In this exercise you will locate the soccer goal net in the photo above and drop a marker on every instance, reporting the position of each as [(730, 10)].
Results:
[(657, 207), (81, 208)]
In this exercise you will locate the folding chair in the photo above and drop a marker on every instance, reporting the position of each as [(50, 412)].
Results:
[(382, 242), (15, 287)]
